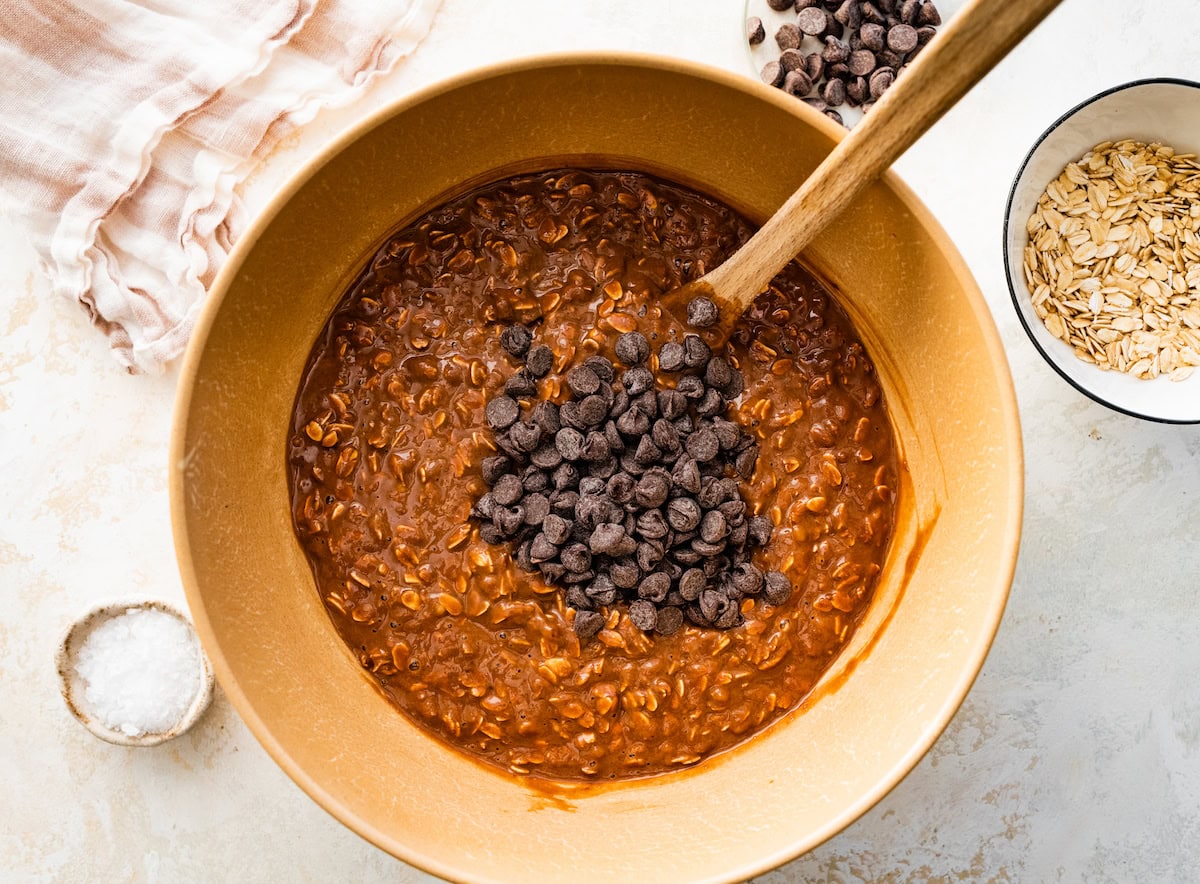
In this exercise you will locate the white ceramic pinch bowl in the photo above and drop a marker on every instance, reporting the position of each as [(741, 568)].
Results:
[(1164, 111), (73, 687)]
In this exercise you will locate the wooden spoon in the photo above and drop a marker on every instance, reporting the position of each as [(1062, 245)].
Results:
[(972, 43)]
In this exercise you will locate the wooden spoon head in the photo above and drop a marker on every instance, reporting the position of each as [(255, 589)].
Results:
[(675, 303)]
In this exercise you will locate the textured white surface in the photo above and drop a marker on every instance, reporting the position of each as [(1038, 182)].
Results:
[(1076, 755)]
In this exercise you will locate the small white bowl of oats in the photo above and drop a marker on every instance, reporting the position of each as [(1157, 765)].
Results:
[(1102, 248)]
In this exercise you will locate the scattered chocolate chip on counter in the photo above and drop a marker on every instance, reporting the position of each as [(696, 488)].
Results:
[(629, 491)]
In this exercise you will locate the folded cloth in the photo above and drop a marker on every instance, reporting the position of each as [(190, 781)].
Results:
[(125, 126)]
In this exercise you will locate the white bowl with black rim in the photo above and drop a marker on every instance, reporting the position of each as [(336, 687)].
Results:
[(1164, 111)]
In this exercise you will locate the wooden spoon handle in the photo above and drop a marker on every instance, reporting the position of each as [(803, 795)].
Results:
[(971, 44)]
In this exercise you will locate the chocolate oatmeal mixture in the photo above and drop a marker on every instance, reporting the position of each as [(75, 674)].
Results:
[(386, 463)]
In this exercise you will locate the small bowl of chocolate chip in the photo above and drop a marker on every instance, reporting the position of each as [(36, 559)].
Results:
[(839, 56)]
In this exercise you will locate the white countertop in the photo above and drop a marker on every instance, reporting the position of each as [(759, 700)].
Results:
[(1076, 754)]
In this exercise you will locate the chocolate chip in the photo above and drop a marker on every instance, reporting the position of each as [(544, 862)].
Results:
[(582, 380), (811, 21), (591, 510), (777, 589), (587, 623), (862, 62), (489, 533), (569, 443), (712, 403), (834, 93), (873, 37), (625, 573), (547, 456), (525, 435), (718, 372), (508, 519), (653, 588), (591, 486), (539, 361), (835, 52), (729, 618), (857, 92), (902, 38), (564, 502), (485, 507), (816, 103), (746, 461), (606, 538), (652, 489), (728, 433), (702, 445), (494, 467), (772, 73), (564, 475), (670, 356), (761, 529), (576, 597), (633, 423), (647, 452), (542, 550), (665, 435), (713, 527), (576, 557), (691, 387), (593, 411), (687, 475), (671, 404), (632, 348), (643, 615), (651, 525), (797, 83), (701, 313), (516, 340), (755, 32), (788, 36), (501, 412), (683, 514), (637, 380), (535, 479), (792, 60), (748, 579), (649, 555), (880, 82), (733, 510), (602, 590), (737, 536), (602, 368), (692, 583), (669, 620), (556, 529), (814, 66), (929, 15), (595, 448), (508, 490), (711, 604), (568, 412), (521, 386)]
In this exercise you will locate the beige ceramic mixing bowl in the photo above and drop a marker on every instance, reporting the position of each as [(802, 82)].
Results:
[(301, 691)]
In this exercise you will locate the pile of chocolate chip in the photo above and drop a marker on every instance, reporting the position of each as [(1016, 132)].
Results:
[(629, 491), (857, 48)]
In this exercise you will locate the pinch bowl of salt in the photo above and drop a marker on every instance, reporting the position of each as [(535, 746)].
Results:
[(133, 673)]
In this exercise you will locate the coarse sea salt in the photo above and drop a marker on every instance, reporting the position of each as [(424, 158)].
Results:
[(141, 671)]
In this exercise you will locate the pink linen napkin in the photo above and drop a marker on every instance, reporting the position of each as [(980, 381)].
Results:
[(126, 125)]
